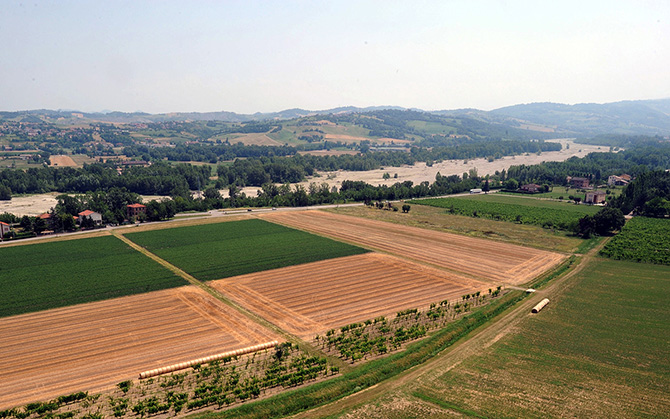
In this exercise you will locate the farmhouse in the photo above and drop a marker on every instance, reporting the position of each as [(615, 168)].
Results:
[(96, 217), (4, 229), (133, 210), (618, 180), (595, 197), (578, 182), (531, 187)]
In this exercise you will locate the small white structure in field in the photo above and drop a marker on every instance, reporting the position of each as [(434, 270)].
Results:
[(530, 290), (540, 306)]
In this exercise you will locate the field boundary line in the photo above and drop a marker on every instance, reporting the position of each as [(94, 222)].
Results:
[(375, 249), (344, 366), (195, 307), (468, 345)]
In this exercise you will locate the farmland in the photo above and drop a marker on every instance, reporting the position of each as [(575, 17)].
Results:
[(581, 356), (310, 299), (96, 345), (641, 240), (480, 259), (222, 250), (434, 218), (545, 213), (56, 274)]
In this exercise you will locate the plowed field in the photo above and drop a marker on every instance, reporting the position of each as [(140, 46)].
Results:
[(93, 346), (312, 298), (482, 259)]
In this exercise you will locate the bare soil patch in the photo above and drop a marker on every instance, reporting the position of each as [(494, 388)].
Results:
[(482, 259), (419, 172), (312, 298), (62, 161), (329, 152), (29, 204), (254, 139), (91, 347), (351, 138)]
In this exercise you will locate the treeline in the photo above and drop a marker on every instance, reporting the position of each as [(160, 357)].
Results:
[(596, 166), (648, 195), (206, 153), (620, 140), (158, 179), (257, 171), (296, 196)]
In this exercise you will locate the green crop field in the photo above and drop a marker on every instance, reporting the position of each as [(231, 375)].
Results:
[(545, 213), (641, 240), (560, 192), (222, 250), (48, 275), (599, 350)]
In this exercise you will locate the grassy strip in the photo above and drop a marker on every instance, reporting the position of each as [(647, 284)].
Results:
[(445, 405), (588, 244), (559, 270), (547, 214), (371, 373)]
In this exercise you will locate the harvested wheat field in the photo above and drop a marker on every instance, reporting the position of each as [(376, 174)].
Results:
[(312, 298), (480, 258), (93, 346), (62, 160)]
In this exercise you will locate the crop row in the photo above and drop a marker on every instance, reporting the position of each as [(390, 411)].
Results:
[(379, 336), (641, 240), (48, 275), (222, 250), (220, 383), (562, 219)]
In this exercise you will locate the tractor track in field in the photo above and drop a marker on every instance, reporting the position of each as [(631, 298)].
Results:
[(472, 344), (233, 304)]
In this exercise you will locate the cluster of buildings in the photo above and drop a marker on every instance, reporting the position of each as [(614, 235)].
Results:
[(132, 211)]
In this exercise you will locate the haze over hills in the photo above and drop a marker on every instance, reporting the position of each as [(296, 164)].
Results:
[(643, 117)]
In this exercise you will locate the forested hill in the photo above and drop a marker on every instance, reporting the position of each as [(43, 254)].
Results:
[(648, 117), (642, 117)]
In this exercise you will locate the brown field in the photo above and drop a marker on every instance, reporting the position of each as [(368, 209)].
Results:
[(90, 347), (312, 298), (254, 139), (351, 138), (61, 160), (480, 258), (329, 152)]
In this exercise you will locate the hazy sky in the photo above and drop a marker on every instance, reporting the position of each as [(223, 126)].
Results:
[(263, 56)]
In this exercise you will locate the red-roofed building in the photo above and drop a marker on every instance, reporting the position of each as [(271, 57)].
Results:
[(45, 216), (4, 229), (96, 217), (133, 210)]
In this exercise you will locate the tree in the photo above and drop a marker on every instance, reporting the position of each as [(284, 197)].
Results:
[(406, 208), (486, 187), (511, 184), (586, 227), (212, 193), (5, 193), (40, 225), (27, 223), (608, 220)]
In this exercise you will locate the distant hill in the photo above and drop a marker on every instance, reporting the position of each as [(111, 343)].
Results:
[(649, 117), (642, 117)]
